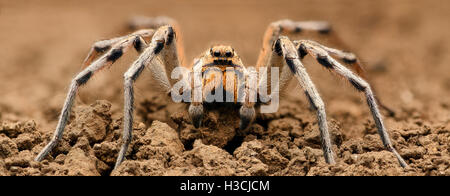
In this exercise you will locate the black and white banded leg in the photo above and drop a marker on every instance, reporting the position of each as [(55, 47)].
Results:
[(100, 47), (163, 45), (285, 56), (351, 60), (144, 22), (287, 27), (294, 29), (117, 47), (322, 55)]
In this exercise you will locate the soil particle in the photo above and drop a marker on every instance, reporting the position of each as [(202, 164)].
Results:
[(7, 147), (80, 164), (91, 121), (217, 129)]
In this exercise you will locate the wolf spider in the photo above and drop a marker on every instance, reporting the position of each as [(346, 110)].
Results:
[(159, 51)]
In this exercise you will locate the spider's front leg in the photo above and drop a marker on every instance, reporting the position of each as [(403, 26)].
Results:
[(322, 55), (115, 48), (284, 56), (163, 45), (294, 29)]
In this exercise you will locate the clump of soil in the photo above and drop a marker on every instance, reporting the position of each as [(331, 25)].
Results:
[(75, 154), (219, 127), (285, 145)]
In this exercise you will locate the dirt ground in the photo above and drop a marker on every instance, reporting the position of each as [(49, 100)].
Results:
[(404, 46)]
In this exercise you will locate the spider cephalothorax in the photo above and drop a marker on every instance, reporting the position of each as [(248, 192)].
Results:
[(220, 70)]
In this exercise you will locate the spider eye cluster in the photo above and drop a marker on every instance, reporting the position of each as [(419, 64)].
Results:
[(221, 51)]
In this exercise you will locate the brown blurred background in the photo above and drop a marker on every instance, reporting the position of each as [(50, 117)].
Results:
[(404, 46)]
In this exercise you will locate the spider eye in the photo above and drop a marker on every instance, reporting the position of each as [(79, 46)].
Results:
[(216, 53), (228, 54)]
